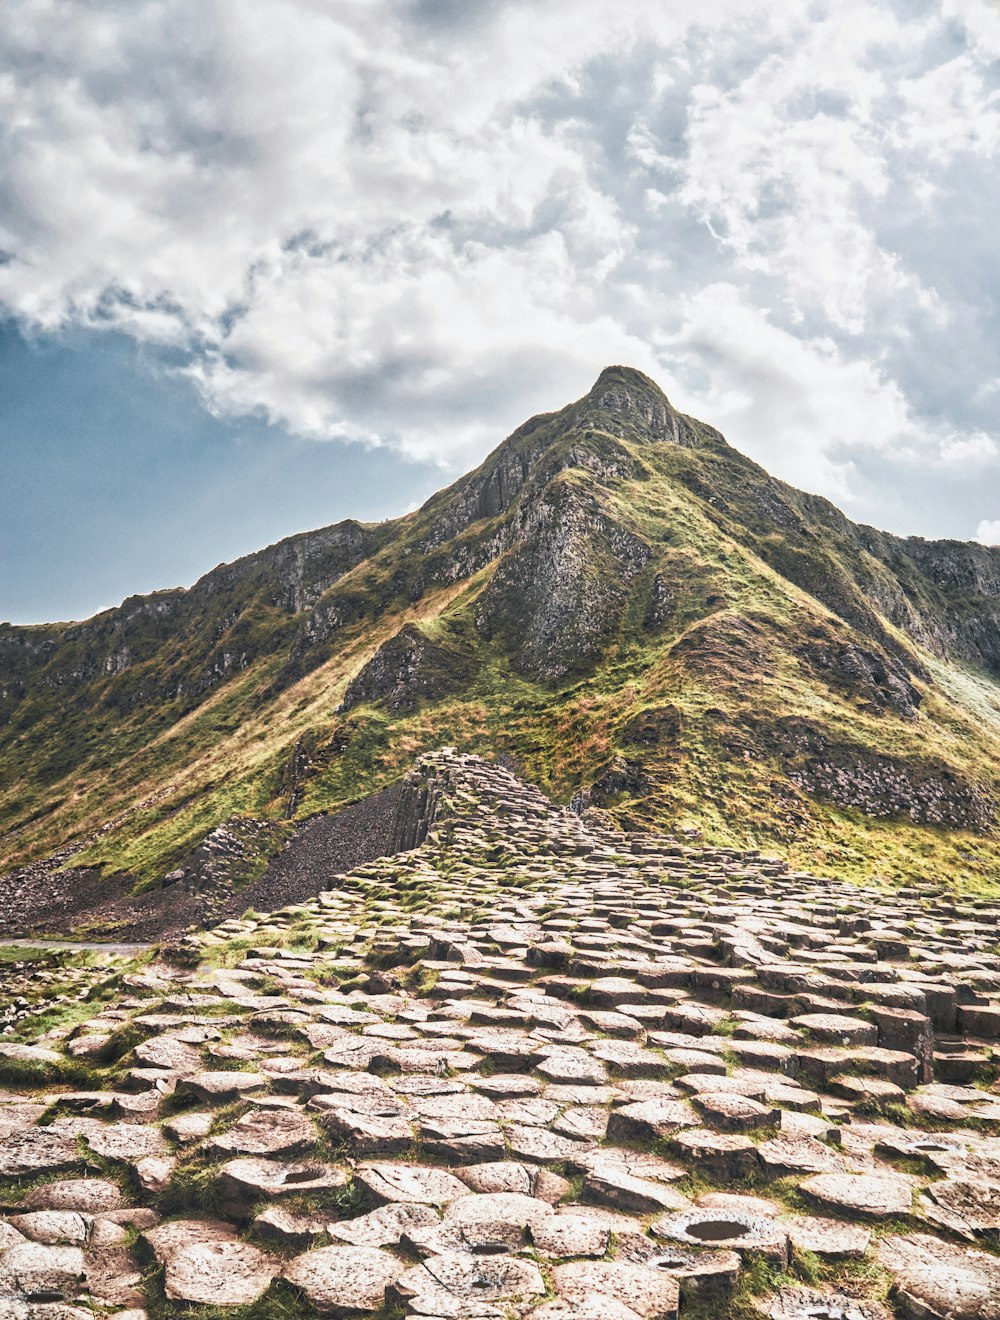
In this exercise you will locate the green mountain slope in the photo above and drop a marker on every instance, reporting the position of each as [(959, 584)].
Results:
[(638, 614)]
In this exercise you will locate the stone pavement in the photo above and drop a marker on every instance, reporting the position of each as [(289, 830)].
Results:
[(532, 1067)]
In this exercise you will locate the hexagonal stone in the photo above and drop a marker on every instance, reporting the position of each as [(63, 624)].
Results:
[(967, 1206), (368, 1134), (9, 1236), (37, 1150), (219, 1088), (385, 1226), (812, 1304), (190, 1126), (785, 1155), (499, 1176), (267, 1132), (721, 1155), (866, 1090), (166, 1238), (499, 1208), (15, 1053), (651, 1293), (540, 1146), (610, 1023), (570, 1235), (56, 1227), (464, 1140), (878, 1195), (837, 1028), (625, 1058), (155, 1172), (218, 1273), (339, 1280), (620, 1181), (833, 1239), (482, 1237), (572, 1069), (733, 1230), (413, 1184), (735, 1113), (703, 1276), (91, 1195), (284, 1227), (648, 1120), (122, 1143), (244, 1181), (166, 1052), (457, 1284), (590, 1306), (37, 1271), (940, 1150), (938, 1280)]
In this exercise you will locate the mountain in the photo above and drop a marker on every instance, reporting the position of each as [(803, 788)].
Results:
[(616, 601)]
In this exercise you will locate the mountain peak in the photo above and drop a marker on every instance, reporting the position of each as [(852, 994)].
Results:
[(627, 398)]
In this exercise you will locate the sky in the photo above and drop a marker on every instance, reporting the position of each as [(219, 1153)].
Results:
[(266, 264)]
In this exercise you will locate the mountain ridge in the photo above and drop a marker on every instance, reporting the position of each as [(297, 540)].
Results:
[(609, 561)]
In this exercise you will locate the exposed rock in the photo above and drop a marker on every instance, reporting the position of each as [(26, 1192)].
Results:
[(218, 1273), (408, 669), (937, 1280), (338, 1280)]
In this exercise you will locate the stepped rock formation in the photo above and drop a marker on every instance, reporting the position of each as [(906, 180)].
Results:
[(616, 600), (531, 1066)]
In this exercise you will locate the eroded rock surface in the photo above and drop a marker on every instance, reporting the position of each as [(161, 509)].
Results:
[(532, 1067)]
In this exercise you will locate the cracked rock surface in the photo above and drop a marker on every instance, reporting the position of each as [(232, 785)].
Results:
[(533, 1067)]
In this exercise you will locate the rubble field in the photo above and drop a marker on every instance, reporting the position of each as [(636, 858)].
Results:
[(532, 1067)]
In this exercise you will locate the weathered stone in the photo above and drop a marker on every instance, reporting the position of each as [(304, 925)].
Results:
[(168, 1053), (877, 1195), (167, 1238), (812, 1304), (39, 1272), (37, 1150), (833, 1239), (218, 1273), (90, 1195), (285, 1228), (651, 1293), (267, 1132), (56, 1227), (720, 1155), (242, 1182), (937, 1280), (219, 1088), (967, 1206), (458, 1284), (732, 1229), (499, 1208), (410, 1184), (735, 1113), (649, 1120), (385, 1226), (339, 1280)]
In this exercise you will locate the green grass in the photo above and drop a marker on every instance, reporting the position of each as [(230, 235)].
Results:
[(754, 573)]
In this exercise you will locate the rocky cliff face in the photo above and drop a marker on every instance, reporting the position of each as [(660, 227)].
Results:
[(606, 562)]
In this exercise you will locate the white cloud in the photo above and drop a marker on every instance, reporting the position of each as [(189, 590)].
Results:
[(988, 532), (799, 406), (969, 450), (371, 226)]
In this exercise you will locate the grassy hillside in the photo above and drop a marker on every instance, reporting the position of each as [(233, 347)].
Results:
[(616, 598)]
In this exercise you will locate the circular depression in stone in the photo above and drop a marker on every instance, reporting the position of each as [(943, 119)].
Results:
[(701, 1228), (717, 1230)]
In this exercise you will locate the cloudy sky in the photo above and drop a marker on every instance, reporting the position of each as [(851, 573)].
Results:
[(269, 263)]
